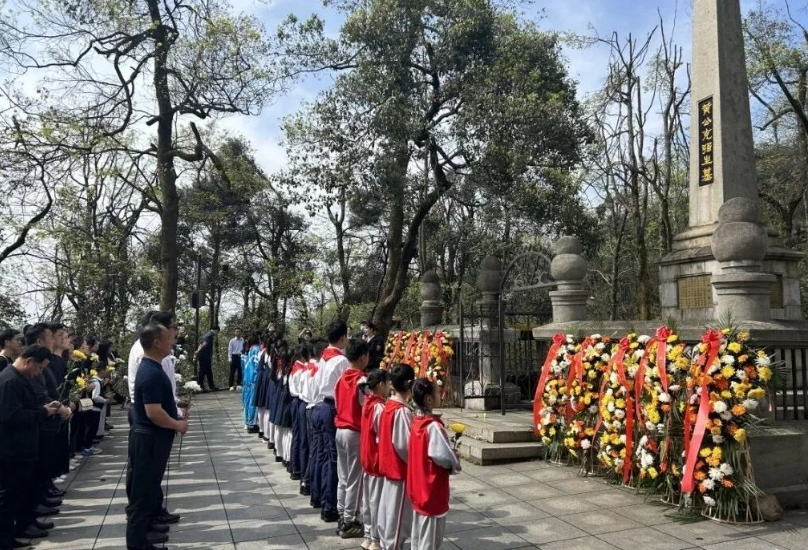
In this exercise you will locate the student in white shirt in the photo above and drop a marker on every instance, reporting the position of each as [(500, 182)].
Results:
[(333, 364)]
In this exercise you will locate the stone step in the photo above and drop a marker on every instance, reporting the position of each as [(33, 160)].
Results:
[(484, 453), (492, 433)]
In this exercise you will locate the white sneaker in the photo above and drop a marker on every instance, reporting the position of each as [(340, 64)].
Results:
[(232, 388), (238, 388)]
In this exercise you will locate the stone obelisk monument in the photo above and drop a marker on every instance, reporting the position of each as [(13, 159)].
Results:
[(722, 167)]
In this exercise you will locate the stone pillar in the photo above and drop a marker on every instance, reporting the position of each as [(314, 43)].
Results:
[(431, 303), (740, 244), (568, 268), (488, 284)]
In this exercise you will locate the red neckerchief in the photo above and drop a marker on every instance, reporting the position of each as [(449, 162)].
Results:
[(330, 353)]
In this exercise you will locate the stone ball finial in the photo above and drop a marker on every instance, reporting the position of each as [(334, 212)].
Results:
[(430, 287), (567, 245), (490, 274), (739, 237), (739, 209), (568, 264)]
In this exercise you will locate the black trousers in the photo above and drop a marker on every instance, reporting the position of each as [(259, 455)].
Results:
[(129, 414), (149, 450), (16, 496), (235, 371), (90, 428), (206, 370)]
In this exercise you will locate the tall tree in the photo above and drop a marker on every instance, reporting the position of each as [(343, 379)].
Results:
[(462, 85), (136, 63)]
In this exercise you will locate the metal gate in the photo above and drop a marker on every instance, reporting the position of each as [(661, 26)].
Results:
[(518, 360)]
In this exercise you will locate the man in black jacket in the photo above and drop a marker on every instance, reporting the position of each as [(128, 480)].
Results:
[(21, 415)]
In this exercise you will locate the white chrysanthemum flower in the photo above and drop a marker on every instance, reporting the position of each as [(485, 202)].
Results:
[(641, 444), (557, 370), (715, 474), (718, 439), (596, 336), (643, 339), (675, 387), (694, 399), (726, 415), (709, 484), (740, 374), (639, 353), (618, 462), (646, 460), (600, 346), (585, 444), (605, 357), (713, 369), (570, 339), (664, 398), (726, 469), (613, 378), (623, 439), (660, 427), (720, 406), (610, 407), (763, 361), (728, 359), (617, 424), (610, 391), (709, 501), (650, 426), (552, 400), (571, 348), (620, 414), (750, 404)]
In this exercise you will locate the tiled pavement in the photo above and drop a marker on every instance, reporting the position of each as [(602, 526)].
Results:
[(232, 495)]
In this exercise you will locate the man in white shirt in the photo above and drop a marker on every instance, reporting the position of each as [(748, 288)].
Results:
[(136, 353), (234, 350), (332, 365)]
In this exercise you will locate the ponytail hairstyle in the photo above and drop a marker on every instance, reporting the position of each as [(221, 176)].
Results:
[(402, 377)]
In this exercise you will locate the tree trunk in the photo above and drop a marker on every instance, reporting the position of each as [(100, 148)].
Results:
[(166, 173)]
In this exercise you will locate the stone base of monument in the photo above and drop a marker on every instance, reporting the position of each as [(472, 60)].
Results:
[(490, 438), (780, 469), (487, 398)]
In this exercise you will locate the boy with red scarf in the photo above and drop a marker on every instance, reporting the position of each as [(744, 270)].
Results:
[(324, 475), (395, 511), (431, 460), (349, 399), (376, 391)]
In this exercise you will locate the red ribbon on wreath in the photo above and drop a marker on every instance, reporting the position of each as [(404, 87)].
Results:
[(558, 341), (713, 340)]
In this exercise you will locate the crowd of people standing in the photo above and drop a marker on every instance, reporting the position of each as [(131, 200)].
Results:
[(362, 440), (55, 392)]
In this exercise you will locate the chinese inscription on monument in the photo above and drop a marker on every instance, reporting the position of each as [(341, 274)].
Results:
[(706, 171)]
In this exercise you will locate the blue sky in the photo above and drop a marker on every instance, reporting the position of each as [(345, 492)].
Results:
[(576, 16)]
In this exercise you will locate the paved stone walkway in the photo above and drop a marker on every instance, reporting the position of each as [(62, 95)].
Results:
[(232, 495)]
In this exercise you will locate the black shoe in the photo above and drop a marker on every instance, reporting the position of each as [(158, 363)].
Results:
[(252, 430), (159, 528), (19, 544), (45, 511), (56, 493), (156, 538), (261, 435), (278, 459), (305, 491), (352, 531), (316, 505), (330, 518), (32, 532), (44, 525), (295, 476), (340, 526), (166, 518), (51, 502), (270, 446), (108, 426)]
